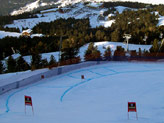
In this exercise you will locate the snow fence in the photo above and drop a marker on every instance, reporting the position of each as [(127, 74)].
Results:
[(53, 72)]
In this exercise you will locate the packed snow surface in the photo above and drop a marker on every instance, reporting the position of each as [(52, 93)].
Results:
[(4, 34), (9, 34), (102, 97)]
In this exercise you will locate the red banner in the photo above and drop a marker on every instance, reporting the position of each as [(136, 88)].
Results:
[(28, 100), (132, 107)]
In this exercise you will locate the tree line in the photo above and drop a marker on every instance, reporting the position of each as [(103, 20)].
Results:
[(91, 54)]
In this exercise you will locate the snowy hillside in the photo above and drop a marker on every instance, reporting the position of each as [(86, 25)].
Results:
[(10, 34), (63, 3), (68, 2), (102, 97), (78, 11), (4, 34), (29, 7), (93, 11)]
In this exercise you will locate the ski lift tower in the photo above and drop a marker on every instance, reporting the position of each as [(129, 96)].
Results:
[(127, 37)]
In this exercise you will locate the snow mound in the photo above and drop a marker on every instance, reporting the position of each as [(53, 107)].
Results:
[(9, 34)]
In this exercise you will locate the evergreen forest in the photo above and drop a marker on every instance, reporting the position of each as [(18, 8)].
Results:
[(141, 23)]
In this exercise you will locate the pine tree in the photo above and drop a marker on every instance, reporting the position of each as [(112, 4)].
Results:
[(69, 49), (36, 61), (92, 53), (155, 46), (52, 63), (107, 53), (91, 35), (88, 52), (140, 52), (133, 54), (119, 53), (11, 64), (22, 65), (99, 35), (52, 60), (44, 63), (115, 36), (1, 68)]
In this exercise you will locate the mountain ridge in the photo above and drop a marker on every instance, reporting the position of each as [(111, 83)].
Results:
[(16, 7)]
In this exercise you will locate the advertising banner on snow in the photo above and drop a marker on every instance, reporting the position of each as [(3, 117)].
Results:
[(132, 108), (28, 102)]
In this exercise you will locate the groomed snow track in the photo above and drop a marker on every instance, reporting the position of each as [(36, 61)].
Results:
[(101, 97)]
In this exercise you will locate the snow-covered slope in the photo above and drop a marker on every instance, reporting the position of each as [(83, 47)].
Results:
[(68, 2), (10, 34), (77, 11), (93, 11), (64, 3), (4, 34), (102, 97), (30, 7)]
